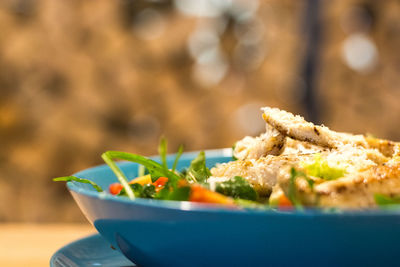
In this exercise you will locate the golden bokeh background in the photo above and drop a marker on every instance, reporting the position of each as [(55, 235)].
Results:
[(81, 77)]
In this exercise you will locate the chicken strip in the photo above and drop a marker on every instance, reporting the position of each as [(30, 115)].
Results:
[(269, 143), (298, 128)]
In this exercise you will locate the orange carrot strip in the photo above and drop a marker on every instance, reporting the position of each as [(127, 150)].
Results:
[(201, 194)]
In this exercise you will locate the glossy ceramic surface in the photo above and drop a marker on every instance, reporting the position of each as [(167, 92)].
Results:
[(89, 251), (163, 233)]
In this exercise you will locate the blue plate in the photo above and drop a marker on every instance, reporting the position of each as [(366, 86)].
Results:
[(167, 233), (90, 251)]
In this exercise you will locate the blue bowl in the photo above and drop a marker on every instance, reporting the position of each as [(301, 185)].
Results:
[(168, 233)]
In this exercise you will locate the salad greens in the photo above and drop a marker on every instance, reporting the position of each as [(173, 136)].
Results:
[(80, 180), (292, 194), (237, 187), (179, 194), (169, 184), (142, 191), (141, 170), (108, 158), (155, 169), (198, 171), (383, 200), (320, 168), (149, 191), (178, 156), (233, 152)]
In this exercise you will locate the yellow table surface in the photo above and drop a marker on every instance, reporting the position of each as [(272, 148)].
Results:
[(34, 244)]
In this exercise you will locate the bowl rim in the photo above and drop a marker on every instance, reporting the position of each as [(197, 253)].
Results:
[(393, 210)]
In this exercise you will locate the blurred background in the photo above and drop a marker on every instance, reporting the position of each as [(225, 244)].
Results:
[(81, 77)]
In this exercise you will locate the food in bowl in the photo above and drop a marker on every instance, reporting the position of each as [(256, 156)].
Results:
[(293, 165)]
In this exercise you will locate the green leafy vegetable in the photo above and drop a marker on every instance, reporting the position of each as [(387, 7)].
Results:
[(292, 194), (178, 155), (149, 191), (79, 180), (383, 200), (156, 169), (237, 187), (163, 193), (320, 168), (178, 194), (233, 152), (141, 171), (198, 171), (108, 158), (142, 191)]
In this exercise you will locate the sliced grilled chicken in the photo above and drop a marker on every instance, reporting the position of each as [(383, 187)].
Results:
[(269, 143), (371, 165), (298, 128)]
